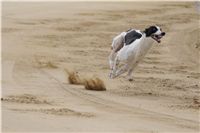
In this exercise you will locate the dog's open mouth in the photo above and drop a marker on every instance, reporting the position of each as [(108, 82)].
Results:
[(157, 38)]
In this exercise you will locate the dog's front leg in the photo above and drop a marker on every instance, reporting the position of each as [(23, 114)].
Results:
[(122, 70), (129, 75), (130, 71)]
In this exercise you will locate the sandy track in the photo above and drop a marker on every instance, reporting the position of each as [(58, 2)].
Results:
[(115, 107), (39, 43)]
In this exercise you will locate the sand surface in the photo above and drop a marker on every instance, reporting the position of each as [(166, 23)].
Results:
[(40, 40)]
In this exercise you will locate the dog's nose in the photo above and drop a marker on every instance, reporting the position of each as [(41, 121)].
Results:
[(163, 33)]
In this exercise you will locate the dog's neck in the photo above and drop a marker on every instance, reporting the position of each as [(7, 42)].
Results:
[(146, 43), (147, 39)]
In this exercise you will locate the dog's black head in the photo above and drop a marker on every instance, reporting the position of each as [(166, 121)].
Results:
[(155, 32)]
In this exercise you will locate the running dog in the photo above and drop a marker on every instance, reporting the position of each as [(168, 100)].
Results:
[(130, 47)]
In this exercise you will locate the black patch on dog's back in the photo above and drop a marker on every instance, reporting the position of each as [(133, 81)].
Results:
[(131, 36)]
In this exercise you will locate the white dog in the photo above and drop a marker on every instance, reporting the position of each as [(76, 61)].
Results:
[(130, 47)]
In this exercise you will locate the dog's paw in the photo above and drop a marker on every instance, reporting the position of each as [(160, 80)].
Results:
[(130, 79), (111, 76)]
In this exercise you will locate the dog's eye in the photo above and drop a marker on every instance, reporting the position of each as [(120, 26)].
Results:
[(153, 29)]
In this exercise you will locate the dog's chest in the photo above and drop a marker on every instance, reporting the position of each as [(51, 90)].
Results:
[(143, 48)]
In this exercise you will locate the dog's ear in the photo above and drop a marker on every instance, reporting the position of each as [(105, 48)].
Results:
[(149, 31)]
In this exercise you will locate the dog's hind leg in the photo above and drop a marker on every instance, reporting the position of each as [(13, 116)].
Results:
[(115, 67), (112, 59)]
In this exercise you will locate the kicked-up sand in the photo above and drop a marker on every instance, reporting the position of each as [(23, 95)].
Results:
[(40, 40)]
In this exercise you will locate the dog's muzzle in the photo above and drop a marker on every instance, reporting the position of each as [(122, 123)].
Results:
[(158, 37)]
